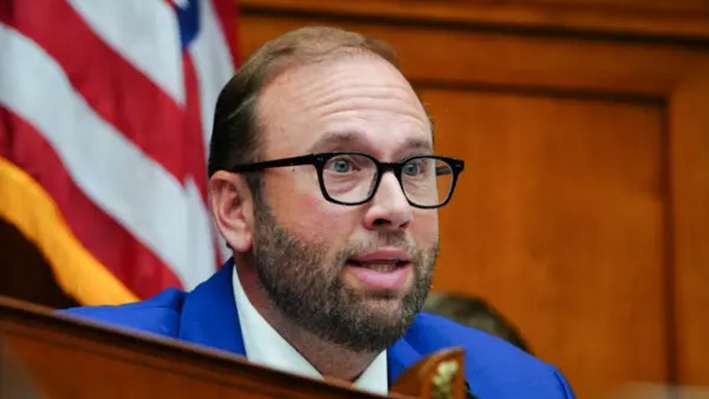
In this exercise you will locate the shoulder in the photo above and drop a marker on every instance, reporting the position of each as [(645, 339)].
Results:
[(157, 315), (496, 366)]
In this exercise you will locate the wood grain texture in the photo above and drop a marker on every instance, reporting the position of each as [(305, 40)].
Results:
[(70, 359), (677, 6), (465, 58), (683, 20), (558, 221), (689, 174)]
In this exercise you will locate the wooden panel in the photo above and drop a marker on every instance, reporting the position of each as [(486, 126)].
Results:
[(619, 18), (689, 146), (636, 5), (466, 57), (558, 220)]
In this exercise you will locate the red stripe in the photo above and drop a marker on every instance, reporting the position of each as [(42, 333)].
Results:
[(226, 11), (131, 262), (193, 143), (118, 92), (193, 137)]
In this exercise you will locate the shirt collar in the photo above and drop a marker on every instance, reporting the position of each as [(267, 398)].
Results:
[(265, 346)]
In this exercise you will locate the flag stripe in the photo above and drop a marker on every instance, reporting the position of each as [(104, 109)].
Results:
[(212, 63), (28, 207), (196, 158), (106, 110), (110, 170), (199, 261), (125, 25), (225, 11), (211, 54), (143, 114), (109, 242), (193, 145)]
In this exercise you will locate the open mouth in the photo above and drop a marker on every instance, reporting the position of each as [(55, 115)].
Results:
[(379, 265), (386, 269)]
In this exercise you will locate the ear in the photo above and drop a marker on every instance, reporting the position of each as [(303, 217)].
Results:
[(232, 209)]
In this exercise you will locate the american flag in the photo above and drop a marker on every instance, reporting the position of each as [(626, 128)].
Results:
[(106, 109)]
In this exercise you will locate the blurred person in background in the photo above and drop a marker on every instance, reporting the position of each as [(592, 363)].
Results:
[(477, 313)]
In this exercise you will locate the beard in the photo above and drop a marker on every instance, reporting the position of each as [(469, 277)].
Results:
[(309, 289)]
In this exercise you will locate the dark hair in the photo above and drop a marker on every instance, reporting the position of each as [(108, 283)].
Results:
[(235, 138), (477, 313)]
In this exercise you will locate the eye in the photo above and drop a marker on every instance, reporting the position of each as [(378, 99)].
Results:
[(412, 168), (340, 165)]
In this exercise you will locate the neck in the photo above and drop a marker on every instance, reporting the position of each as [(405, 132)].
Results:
[(329, 359)]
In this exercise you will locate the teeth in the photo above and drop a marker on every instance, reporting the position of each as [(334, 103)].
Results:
[(381, 267)]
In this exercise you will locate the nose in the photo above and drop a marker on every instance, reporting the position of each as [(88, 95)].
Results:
[(389, 209)]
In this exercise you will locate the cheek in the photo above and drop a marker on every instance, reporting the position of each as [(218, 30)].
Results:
[(330, 223), (291, 197), (425, 227), (311, 216)]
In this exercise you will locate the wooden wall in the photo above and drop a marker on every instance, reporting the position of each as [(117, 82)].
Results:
[(583, 213)]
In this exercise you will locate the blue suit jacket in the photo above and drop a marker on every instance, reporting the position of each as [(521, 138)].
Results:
[(208, 316)]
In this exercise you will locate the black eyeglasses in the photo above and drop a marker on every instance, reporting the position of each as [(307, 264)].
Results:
[(352, 178)]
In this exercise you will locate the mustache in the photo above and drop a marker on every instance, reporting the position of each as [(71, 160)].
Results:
[(381, 240)]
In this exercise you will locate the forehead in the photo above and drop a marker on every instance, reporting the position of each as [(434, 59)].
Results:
[(359, 100)]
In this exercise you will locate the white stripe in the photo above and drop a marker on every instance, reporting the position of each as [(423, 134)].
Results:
[(130, 186), (214, 67), (201, 264), (145, 32)]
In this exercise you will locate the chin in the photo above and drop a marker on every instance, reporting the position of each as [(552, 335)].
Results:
[(384, 306), (389, 316), (375, 295)]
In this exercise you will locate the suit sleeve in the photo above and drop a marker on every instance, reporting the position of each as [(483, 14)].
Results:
[(564, 386)]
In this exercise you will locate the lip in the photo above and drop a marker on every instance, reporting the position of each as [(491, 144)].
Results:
[(382, 256), (393, 281)]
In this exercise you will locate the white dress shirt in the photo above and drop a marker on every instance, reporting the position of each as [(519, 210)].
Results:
[(265, 346)]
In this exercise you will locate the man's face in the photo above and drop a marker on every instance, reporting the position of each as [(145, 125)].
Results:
[(354, 275)]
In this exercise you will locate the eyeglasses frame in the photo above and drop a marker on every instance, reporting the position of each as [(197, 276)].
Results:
[(319, 160)]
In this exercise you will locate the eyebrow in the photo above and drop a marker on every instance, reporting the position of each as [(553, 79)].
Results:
[(345, 138)]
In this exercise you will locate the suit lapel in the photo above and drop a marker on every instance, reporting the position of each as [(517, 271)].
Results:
[(209, 315), (400, 357)]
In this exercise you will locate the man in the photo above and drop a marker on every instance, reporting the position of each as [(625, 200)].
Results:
[(475, 312), (324, 184)]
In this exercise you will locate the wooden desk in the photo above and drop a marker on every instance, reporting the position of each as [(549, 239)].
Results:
[(44, 355)]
